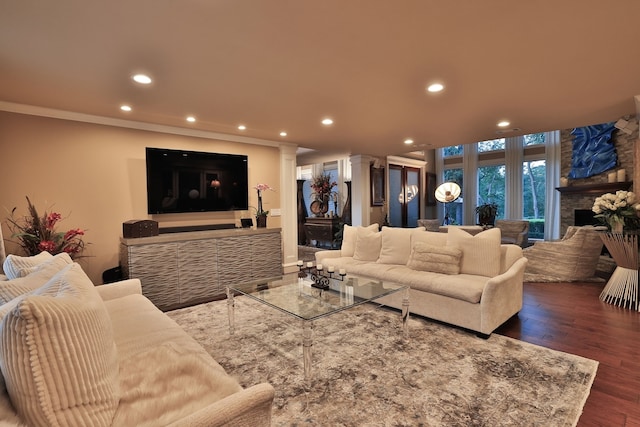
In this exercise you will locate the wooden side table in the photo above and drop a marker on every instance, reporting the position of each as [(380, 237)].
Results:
[(322, 230), (622, 287)]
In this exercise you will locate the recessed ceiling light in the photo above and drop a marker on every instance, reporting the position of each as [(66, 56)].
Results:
[(283, 133), (125, 108), (327, 122), (408, 141), (435, 87), (142, 79), (242, 127), (191, 119), (503, 123)]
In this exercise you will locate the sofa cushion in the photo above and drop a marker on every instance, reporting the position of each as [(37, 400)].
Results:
[(430, 237), (15, 266), (350, 236), (438, 259), (480, 253), (40, 275), (186, 380), (465, 287), (58, 355), (396, 245), (367, 246)]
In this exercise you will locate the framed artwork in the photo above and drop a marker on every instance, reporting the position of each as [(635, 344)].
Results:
[(431, 189), (377, 186)]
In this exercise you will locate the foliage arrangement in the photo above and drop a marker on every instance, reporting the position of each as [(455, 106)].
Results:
[(322, 184), (617, 211), (260, 188), (37, 233), (487, 213)]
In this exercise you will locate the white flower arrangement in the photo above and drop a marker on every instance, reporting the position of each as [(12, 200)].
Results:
[(617, 210)]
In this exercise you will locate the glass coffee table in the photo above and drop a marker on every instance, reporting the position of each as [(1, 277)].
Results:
[(298, 297)]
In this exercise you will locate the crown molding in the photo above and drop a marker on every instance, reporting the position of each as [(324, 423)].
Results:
[(132, 124)]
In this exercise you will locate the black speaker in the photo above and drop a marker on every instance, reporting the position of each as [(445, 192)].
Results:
[(246, 222)]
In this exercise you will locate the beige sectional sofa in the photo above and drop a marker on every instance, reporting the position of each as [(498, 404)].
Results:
[(473, 282), (73, 354)]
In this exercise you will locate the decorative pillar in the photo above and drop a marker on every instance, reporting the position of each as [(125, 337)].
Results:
[(302, 214), (361, 189), (288, 206), (346, 210)]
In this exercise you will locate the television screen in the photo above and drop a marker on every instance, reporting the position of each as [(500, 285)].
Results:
[(191, 181)]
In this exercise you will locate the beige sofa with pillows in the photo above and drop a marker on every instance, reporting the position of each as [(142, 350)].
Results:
[(73, 354), (473, 282)]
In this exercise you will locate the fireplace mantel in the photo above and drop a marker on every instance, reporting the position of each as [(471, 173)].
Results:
[(598, 188)]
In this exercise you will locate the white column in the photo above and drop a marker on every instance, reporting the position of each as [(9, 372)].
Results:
[(513, 185), (360, 189), (470, 183), (288, 206)]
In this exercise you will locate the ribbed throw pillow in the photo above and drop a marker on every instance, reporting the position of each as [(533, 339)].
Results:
[(480, 253), (40, 275), (15, 266), (437, 259), (59, 359)]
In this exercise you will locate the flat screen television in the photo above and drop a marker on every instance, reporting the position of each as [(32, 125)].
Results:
[(191, 181)]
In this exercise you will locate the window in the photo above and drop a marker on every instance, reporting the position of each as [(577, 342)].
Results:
[(491, 182), (491, 167), (491, 145), (454, 210), (452, 151)]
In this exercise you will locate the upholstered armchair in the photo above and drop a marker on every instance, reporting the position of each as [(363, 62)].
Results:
[(573, 258), (429, 224), (515, 232)]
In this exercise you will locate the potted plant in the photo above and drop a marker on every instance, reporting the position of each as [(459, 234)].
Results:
[(487, 213)]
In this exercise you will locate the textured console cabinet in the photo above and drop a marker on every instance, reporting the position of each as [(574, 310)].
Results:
[(181, 269)]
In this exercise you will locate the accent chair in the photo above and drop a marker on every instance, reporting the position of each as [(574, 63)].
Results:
[(514, 231), (573, 258)]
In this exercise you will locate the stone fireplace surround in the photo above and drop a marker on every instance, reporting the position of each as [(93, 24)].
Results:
[(581, 193)]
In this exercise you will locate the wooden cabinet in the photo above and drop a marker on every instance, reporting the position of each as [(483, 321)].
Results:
[(181, 269), (322, 231)]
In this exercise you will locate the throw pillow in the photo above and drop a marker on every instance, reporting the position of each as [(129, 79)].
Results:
[(350, 235), (15, 266), (480, 253), (437, 259), (368, 247), (396, 245), (59, 358), (42, 273), (430, 237)]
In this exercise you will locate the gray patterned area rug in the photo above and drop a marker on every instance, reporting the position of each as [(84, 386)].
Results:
[(365, 374)]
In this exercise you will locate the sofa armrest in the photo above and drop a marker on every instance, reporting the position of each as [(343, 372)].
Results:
[(249, 407), (502, 296), (119, 289), (322, 255)]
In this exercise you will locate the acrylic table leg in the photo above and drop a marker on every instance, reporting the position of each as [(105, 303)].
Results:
[(307, 342), (405, 314), (230, 310)]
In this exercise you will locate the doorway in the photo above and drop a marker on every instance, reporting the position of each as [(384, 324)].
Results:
[(404, 196)]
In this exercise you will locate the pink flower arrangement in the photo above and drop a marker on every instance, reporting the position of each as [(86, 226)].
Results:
[(37, 233), (260, 188), (322, 184)]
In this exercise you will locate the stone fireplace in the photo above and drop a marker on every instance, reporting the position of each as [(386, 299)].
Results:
[(580, 194)]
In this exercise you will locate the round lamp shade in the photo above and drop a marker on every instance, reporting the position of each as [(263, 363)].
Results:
[(447, 192)]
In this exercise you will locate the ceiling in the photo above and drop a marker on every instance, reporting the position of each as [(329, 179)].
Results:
[(285, 65)]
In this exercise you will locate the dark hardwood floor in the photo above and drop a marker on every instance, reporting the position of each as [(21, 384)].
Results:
[(570, 317)]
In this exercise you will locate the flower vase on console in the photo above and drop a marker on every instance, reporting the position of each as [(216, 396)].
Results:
[(261, 215)]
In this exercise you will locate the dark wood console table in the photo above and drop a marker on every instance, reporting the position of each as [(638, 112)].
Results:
[(322, 231)]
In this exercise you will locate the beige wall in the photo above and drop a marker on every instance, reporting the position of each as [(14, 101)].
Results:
[(94, 175)]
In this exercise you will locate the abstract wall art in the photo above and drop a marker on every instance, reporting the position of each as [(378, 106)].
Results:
[(593, 150)]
